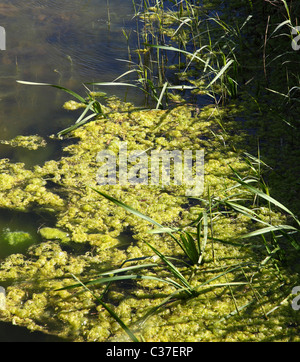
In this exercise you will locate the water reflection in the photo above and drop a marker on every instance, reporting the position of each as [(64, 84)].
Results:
[(62, 42)]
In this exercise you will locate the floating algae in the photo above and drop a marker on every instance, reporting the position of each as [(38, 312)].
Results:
[(95, 225), (54, 234), (2, 298), (16, 238), (22, 190), (15, 241), (29, 142)]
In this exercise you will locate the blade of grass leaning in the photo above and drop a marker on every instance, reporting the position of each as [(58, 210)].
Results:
[(116, 278), (221, 72), (110, 311), (245, 211), (161, 95), (128, 208), (113, 84), (139, 214), (93, 105), (164, 47), (76, 125), (129, 268), (219, 276), (163, 230), (89, 107), (74, 94), (268, 198), (268, 230), (173, 269)]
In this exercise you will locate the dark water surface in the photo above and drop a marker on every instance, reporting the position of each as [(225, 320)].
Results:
[(61, 42)]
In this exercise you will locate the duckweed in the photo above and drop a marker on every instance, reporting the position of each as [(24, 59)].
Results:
[(87, 240)]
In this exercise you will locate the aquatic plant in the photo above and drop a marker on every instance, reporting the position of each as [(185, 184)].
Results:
[(193, 249), (183, 30), (89, 104), (29, 142), (17, 238)]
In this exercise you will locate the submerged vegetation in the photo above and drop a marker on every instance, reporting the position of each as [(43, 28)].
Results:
[(146, 262)]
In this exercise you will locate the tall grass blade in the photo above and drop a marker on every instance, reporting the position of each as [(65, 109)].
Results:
[(74, 94), (113, 84), (159, 102), (268, 198), (268, 230), (116, 278), (128, 208), (173, 269), (76, 125), (90, 106), (110, 311), (221, 72), (202, 245)]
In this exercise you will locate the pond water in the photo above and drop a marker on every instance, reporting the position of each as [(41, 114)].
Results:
[(60, 42)]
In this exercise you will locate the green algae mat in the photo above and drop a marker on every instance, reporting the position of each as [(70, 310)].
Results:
[(239, 290)]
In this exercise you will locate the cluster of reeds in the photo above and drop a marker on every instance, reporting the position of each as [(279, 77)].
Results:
[(181, 48), (283, 24)]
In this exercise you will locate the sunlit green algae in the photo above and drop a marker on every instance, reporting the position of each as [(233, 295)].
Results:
[(88, 238)]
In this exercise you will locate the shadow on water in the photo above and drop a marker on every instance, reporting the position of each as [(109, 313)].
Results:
[(53, 150), (10, 333)]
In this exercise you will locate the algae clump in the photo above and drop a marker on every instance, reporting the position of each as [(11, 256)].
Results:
[(17, 238), (30, 142), (54, 234)]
